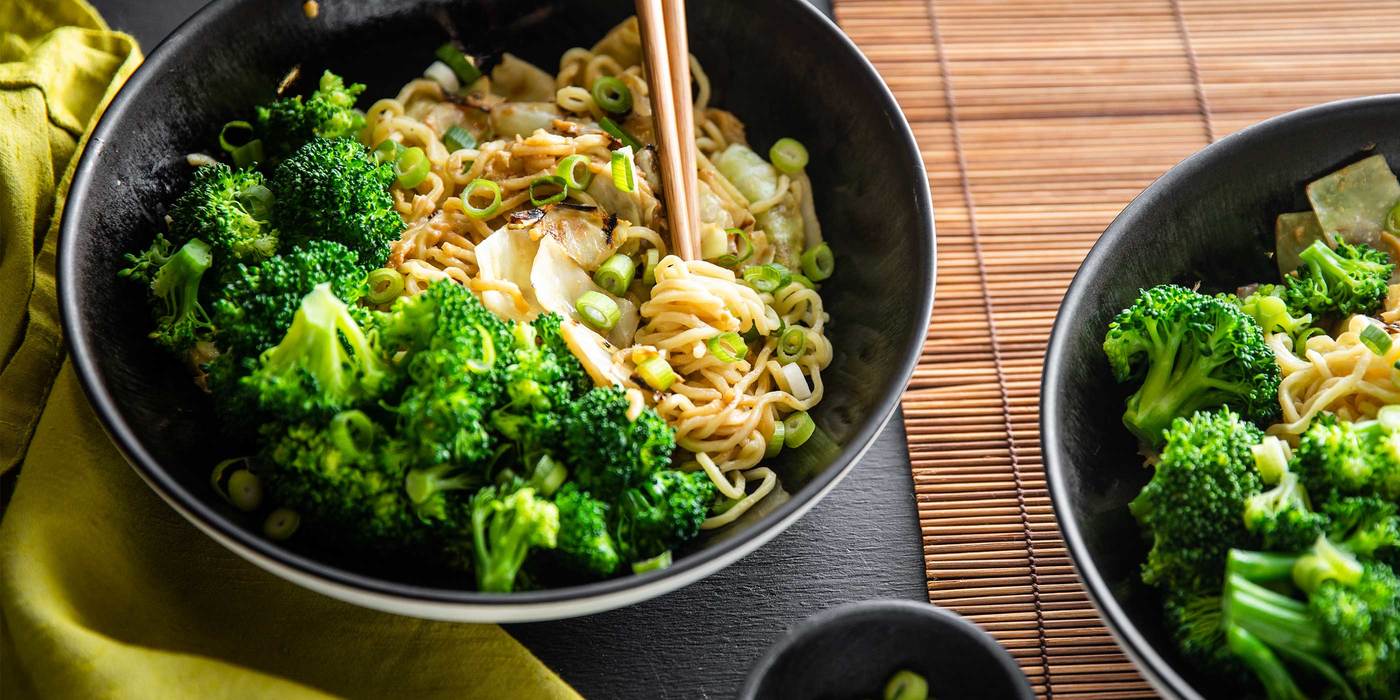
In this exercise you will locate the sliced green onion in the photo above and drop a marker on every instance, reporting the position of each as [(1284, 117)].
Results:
[(656, 563), (352, 432), (612, 95), (767, 278), (788, 155), (714, 242), (1376, 338), (257, 201), (615, 274), (775, 443), (281, 524), (388, 151), (906, 685), (618, 133), (569, 166), (791, 344), (549, 476), (649, 272), (385, 285), (457, 139), (466, 71), (245, 490), (483, 364), (235, 135), (801, 280), (657, 373), (411, 169), (248, 154), (598, 310), (219, 477), (799, 427), (1389, 417), (818, 262), (728, 347), (546, 182), (1392, 220), (624, 170), (743, 249), (487, 211)]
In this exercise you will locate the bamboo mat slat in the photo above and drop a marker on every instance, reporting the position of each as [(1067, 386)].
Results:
[(1038, 120)]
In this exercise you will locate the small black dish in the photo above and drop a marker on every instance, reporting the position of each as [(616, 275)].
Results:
[(1210, 219), (851, 650)]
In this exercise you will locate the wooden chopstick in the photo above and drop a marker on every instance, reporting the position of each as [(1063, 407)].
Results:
[(675, 147), (678, 43)]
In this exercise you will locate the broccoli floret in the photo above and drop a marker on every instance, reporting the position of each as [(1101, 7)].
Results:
[(537, 386), (142, 267), (1282, 517), (1196, 623), (606, 451), (1349, 459), (585, 542), (574, 375), (428, 488), (1193, 508), (1268, 307), (1353, 279), (229, 209), (174, 291), (1365, 525), (329, 112), (325, 363), (332, 189), (505, 526), (1191, 351), (662, 513)]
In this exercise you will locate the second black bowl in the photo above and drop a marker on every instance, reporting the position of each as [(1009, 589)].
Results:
[(1209, 219)]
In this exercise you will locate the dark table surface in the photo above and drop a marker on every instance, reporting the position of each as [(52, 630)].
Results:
[(861, 542)]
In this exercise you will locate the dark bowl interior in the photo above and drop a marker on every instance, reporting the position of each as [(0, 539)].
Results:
[(850, 651), (1210, 219), (871, 192)]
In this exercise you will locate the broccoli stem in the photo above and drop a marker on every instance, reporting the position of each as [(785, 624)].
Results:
[(1280, 621), (1170, 390), (1324, 262), (1266, 567), (1277, 681)]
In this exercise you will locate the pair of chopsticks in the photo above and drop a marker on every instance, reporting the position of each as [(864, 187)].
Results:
[(666, 51)]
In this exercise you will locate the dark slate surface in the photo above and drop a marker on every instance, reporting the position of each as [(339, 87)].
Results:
[(861, 542)]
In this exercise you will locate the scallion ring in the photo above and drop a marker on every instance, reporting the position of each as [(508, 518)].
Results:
[(245, 490), (1392, 220), (612, 95), (281, 524), (656, 563), (598, 310), (248, 154), (775, 442), (767, 278), (388, 151), (235, 135), (624, 170), (743, 249), (615, 274), (457, 139), (649, 271), (385, 285), (799, 427), (788, 155), (539, 199), (791, 344), (569, 166), (219, 477), (617, 132), (257, 201), (483, 364), (657, 373), (818, 262), (802, 281), (1375, 338), (728, 347), (352, 432), (491, 188), (412, 167), (466, 71)]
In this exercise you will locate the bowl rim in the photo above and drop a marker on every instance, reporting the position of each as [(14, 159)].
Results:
[(925, 612), (1159, 672), (469, 605)]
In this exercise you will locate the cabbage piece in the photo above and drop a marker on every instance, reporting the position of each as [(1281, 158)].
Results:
[(559, 282), (1292, 233), (757, 180), (1352, 203), (639, 206), (523, 118), (508, 254), (519, 80), (585, 234)]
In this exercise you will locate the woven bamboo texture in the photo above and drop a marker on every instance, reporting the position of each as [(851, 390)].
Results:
[(1038, 121)]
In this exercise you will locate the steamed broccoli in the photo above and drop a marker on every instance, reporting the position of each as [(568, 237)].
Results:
[(608, 452), (506, 525), (1192, 351), (229, 209), (324, 364), (1194, 506), (173, 282), (538, 388), (285, 124), (1361, 459), (1269, 308), (1365, 525), (1352, 279), (574, 376), (585, 541), (334, 190), (1196, 623), (661, 513)]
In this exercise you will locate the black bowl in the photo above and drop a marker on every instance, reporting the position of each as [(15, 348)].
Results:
[(1208, 219), (871, 190), (851, 650)]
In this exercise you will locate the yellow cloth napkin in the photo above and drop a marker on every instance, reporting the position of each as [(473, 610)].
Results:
[(104, 590)]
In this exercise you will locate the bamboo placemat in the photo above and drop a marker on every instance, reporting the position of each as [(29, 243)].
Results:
[(1039, 120)]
